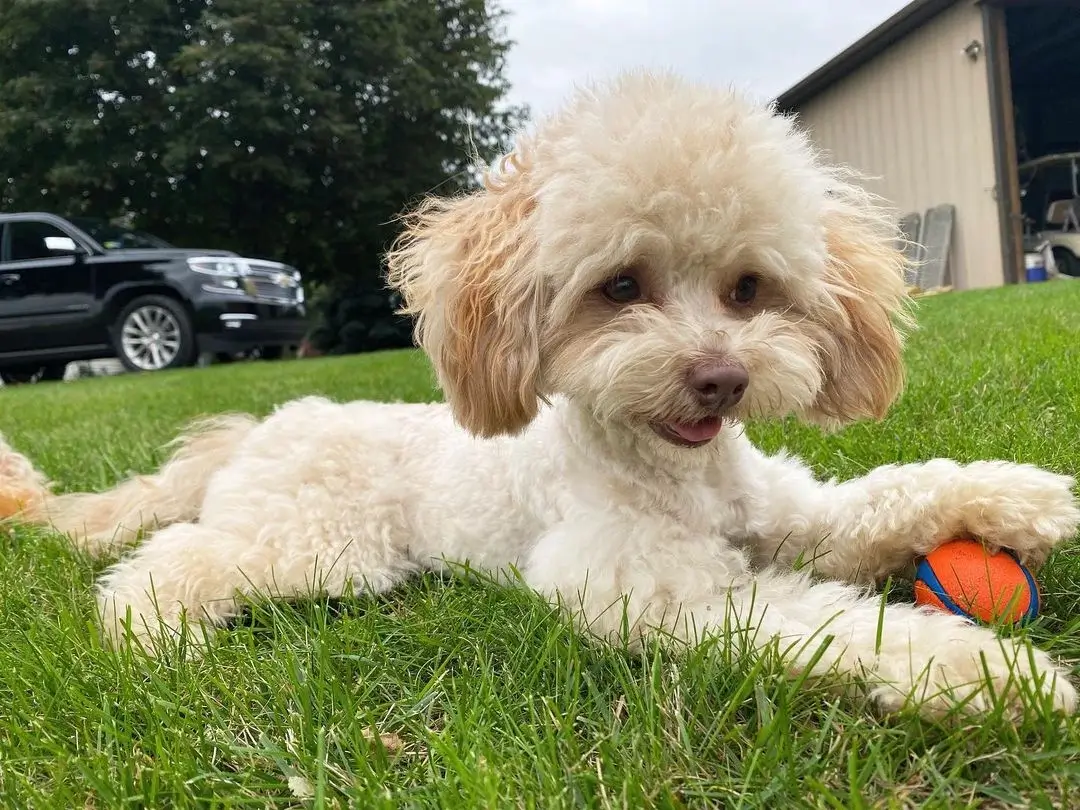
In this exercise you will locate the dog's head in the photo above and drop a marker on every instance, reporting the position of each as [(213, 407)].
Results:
[(667, 255)]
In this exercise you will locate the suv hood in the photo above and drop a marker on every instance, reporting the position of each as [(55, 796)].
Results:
[(164, 254)]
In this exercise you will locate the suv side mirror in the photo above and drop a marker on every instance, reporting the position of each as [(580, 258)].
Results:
[(64, 246), (61, 244)]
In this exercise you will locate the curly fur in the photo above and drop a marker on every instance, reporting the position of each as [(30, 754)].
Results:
[(22, 487), (574, 444)]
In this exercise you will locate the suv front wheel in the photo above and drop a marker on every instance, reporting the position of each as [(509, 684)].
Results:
[(154, 333)]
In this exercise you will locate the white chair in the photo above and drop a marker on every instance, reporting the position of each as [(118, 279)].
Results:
[(1064, 213)]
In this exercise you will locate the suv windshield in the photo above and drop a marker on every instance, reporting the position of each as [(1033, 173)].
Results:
[(114, 237)]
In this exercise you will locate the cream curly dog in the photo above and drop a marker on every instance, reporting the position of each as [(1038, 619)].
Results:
[(652, 265)]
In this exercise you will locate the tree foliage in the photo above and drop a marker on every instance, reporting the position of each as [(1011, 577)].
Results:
[(290, 129)]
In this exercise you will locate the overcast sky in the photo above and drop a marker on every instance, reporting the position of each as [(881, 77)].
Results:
[(761, 46)]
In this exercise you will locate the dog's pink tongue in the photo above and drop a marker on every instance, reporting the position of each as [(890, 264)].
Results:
[(696, 432)]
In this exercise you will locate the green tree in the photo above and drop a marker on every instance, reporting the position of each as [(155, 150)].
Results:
[(290, 129)]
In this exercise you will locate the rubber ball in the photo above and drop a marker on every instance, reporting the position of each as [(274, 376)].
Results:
[(962, 577)]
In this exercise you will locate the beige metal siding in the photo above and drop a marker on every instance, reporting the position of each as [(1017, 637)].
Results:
[(917, 118)]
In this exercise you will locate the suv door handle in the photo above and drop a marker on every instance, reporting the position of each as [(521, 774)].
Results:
[(10, 278)]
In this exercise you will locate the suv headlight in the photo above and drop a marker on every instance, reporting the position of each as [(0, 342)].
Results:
[(227, 273)]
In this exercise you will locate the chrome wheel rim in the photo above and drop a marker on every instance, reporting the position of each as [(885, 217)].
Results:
[(150, 337)]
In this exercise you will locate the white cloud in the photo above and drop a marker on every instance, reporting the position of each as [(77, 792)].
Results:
[(762, 47)]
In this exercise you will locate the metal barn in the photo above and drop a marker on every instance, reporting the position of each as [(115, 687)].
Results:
[(966, 116)]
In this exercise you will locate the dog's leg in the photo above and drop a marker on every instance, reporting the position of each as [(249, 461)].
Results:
[(202, 572), (901, 655), (313, 501), (626, 581), (905, 656), (867, 528)]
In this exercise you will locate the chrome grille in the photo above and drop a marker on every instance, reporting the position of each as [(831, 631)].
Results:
[(273, 281)]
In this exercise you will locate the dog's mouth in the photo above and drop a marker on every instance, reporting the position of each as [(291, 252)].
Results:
[(689, 434)]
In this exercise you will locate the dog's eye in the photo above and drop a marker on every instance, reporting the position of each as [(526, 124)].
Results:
[(745, 290), (622, 290)]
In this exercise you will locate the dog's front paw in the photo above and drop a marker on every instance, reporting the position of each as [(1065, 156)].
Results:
[(974, 673), (1014, 506)]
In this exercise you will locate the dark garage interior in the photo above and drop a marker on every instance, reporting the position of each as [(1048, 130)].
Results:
[(1044, 66)]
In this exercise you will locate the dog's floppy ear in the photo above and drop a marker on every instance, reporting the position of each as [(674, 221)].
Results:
[(464, 267), (863, 338)]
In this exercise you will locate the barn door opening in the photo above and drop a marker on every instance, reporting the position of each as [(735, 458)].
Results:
[(1041, 41)]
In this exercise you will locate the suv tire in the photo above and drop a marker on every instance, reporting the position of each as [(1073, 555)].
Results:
[(154, 333)]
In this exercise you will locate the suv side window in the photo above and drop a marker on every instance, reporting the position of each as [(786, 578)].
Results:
[(37, 240)]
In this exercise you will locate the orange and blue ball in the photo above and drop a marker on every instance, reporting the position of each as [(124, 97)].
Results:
[(962, 577)]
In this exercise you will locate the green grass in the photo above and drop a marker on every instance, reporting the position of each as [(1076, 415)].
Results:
[(459, 693)]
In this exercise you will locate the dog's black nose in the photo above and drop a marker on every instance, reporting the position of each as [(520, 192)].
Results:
[(718, 385)]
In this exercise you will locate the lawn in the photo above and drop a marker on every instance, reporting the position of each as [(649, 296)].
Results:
[(462, 694)]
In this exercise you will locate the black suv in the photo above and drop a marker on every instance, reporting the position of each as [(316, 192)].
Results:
[(82, 289)]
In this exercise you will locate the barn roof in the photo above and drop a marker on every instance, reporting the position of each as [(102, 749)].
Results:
[(898, 26)]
